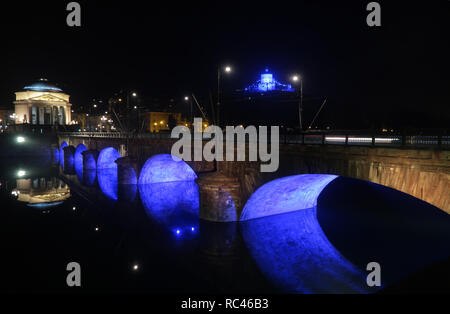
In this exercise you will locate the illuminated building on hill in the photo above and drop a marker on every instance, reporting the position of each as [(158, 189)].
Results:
[(265, 102), (268, 83)]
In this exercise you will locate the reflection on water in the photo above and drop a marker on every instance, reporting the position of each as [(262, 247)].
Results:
[(89, 176), (293, 252), (172, 204), (55, 153), (107, 180), (127, 192), (41, 192)]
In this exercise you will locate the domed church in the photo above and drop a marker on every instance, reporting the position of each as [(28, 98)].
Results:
[(42, 103)]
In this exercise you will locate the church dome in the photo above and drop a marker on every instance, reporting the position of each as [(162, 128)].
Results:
[(42, 86)]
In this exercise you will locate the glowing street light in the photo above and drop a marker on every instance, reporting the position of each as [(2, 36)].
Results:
[(295, 79), (134, 95), (20, 139), (188, 99), (219, 75), (21, 173)]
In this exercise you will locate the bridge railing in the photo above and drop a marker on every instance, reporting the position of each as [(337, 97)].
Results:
[(378, 140)]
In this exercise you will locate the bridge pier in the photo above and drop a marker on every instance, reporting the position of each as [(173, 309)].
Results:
[(90, 158), (69, 159), (220, 197), (127, 170)]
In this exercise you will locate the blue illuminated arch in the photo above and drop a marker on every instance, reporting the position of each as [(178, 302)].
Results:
[(79, 159), (163, 168), (61, 153), (286, 195), (107, 158)]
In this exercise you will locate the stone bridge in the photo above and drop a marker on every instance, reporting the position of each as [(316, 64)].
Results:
[(225, 187)]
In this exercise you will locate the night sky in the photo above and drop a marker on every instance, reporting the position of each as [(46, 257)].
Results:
[(398, 72)]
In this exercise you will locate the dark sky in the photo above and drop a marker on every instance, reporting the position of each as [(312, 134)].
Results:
[(399, 70)]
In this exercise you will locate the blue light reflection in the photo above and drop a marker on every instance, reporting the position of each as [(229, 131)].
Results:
[(79, 161), (295, 255), (107, 180), (174, 205), (61, 153)]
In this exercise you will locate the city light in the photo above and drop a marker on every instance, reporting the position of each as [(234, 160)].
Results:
[(135, 267), (20, 139), (295, 78), (134, 94), (186, 98), (21, 173), (227, 69)]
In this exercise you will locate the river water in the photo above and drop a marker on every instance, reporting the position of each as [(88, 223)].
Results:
[(149, 238)]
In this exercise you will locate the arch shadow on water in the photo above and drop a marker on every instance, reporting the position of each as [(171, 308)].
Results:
[(107, 158), (88, 177), (369, 222), (61, 153), (281, 231), (78, 161), (174, 205), (165, 168)]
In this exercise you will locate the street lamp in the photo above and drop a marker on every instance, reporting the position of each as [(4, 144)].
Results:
[(188, 99), (295, 79), (227, 69)]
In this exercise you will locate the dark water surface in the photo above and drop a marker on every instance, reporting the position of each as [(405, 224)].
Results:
[(148, 238)]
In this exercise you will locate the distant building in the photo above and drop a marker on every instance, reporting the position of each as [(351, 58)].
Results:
[(265, 102), (42, 103), (268, 83), (162, 121)]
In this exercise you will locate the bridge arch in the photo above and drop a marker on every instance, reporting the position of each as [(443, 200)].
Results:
[(164, 168), (286, 194), (107, 158)]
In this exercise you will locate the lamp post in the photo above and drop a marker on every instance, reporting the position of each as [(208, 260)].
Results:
[(227, 69), (188, 99), (297, 78)]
